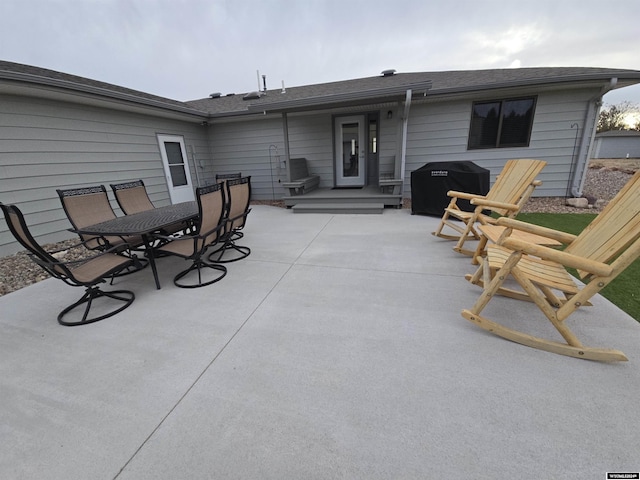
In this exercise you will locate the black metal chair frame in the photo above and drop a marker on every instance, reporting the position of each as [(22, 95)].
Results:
[(201, 240), (234, 223), (65, 270)]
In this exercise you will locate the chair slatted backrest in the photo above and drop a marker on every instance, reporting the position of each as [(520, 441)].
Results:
[(614, 229), (18, 227), (211, 205), (132, 197), (87, 206), (515, 183), (239, 197)]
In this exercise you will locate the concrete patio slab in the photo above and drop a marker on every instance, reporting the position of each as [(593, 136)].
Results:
[(335, 350)]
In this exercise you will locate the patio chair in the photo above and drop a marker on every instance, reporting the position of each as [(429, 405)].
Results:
[(509, 193), (88, 206), (222, 177), (132, 197), (88, 273), (239, 198), (207, 231), (608, 245)]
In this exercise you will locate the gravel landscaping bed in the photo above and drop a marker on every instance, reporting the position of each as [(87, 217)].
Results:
[(604, 180)]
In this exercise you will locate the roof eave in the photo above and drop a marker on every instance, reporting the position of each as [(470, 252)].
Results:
[(97, 91), (630, 77), (342, 99)]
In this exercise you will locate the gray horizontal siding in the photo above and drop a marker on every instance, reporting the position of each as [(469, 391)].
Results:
[(45, 145), (439, 132), (245, 147), (311, 137)]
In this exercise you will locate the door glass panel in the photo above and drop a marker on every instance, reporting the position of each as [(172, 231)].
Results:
[(178, 176), (176, 163), (350, 148), (373, 136)]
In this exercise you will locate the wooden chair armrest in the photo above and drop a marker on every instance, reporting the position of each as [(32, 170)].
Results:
[(562, 237), (492, 204), (463, 195), (567, 259)]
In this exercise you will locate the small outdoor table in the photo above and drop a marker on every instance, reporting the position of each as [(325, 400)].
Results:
[(145, 224)]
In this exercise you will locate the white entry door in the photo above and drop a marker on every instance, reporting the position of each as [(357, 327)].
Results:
[(350, 151), (176, 168)]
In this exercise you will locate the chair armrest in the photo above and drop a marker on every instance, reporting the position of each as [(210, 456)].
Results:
[(492, 204), (70, 247), (567, 259), (463, 195), (71, 263), (233, 219), (562, 237)]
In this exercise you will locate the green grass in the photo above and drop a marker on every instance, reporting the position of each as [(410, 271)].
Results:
[(624, 290)]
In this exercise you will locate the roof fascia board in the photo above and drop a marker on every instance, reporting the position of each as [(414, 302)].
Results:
[(55, 83), (347, 109), (343, 99), (578, 80)]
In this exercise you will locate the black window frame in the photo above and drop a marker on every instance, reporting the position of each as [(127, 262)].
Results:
[(475, 139)]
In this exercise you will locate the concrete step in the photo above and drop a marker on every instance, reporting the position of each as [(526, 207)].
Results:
[(370, 208)]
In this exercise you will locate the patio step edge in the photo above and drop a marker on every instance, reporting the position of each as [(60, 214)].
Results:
[(359, 208)]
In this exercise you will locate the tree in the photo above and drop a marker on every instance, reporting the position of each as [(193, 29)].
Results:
[(622, 116)]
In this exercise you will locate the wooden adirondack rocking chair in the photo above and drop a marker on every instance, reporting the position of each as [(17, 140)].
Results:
[(509, 193), (608, 245)]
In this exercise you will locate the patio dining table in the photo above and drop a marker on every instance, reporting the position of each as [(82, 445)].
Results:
[(145, 224)]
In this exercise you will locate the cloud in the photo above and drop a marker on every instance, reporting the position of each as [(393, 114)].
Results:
[(186, 49), (498, 49)]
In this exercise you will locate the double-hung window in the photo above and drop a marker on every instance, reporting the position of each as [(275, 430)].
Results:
[(501, 123)]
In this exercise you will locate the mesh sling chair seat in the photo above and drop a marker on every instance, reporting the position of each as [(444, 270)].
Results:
[(238, 202), (132, 197), (604, 249), (207, 231), (88, 273), (511, 190), (90, 205)]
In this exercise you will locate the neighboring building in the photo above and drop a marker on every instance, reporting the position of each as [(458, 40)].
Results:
[(61, 131), (617, 144)]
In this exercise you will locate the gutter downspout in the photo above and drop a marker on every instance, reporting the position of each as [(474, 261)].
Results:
[(403, 155), (588, 135)]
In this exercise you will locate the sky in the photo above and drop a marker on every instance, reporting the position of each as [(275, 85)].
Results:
[(188, 49)]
